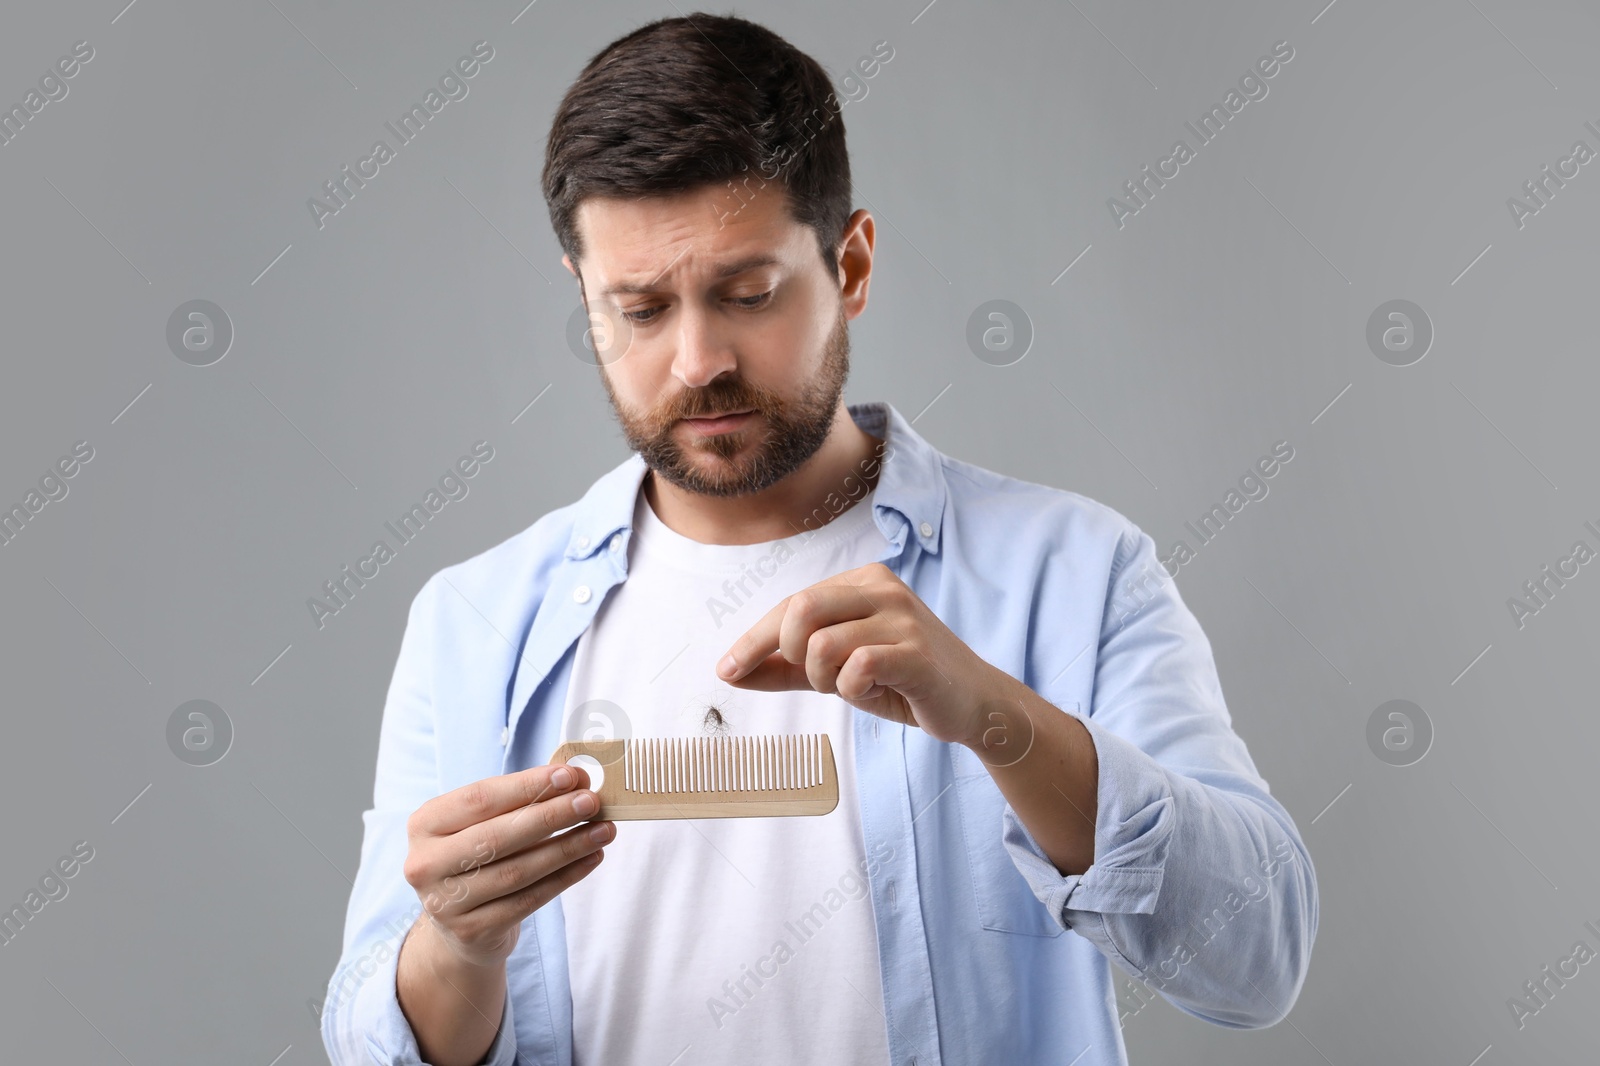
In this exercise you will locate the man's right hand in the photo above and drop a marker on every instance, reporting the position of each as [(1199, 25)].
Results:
[(486, 855)]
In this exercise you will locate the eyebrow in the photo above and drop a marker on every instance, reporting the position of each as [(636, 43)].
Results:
[(726, 270)]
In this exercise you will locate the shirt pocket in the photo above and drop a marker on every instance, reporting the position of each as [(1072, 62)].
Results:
[(1006, 903)]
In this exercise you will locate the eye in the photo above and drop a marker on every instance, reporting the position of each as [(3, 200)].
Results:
[(641, 317), (751, 303)]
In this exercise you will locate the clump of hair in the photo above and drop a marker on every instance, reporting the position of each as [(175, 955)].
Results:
[(714, 722), (681, 103)]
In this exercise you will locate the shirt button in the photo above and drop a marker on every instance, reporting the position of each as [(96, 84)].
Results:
[(616, 542), (583, 542), (581, 593), (505, 736), (927, 529)]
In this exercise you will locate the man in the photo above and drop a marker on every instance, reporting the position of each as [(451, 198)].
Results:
[(1038, 776)]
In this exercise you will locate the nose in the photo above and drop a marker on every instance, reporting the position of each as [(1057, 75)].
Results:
[(704, 351)]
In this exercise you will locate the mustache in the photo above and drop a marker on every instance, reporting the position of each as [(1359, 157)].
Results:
[(703, 403)]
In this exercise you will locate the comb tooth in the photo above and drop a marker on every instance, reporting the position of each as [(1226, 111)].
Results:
[(739, 778), (766, 762), (786, 777), (700, 765), (655, 766), (720, 766), (625, 767), (675, 760)]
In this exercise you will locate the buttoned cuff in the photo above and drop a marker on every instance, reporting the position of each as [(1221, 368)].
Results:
[(369, 1012), (1132, 827)]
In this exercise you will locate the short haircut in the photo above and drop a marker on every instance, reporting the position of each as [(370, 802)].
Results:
[(682, 103)]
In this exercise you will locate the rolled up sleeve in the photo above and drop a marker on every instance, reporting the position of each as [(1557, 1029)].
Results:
[(1200, 885), (362, 1023)]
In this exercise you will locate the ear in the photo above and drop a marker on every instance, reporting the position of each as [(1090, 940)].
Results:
[(566, 262), (855, 262)]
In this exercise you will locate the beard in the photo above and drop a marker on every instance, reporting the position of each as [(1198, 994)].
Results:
[(786, 432)]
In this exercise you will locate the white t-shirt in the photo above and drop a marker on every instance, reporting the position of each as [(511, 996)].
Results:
[(722, 941)]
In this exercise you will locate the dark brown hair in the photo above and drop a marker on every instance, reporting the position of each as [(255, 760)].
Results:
[(681, 103)]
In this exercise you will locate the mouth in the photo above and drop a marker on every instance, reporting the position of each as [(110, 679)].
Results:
[(713, 425)]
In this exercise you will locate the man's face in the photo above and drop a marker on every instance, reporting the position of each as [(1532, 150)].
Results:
[(769, 339)]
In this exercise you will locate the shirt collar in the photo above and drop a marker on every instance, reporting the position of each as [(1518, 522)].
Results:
[(910, 492)]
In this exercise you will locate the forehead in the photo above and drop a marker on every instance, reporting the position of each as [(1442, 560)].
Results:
[(652, 243)]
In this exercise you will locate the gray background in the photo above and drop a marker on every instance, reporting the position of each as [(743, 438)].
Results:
[(1230, 313)]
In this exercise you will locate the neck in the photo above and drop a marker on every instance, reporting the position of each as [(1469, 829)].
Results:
[(842, 471)]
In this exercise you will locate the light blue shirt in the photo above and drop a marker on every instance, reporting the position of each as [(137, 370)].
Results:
[(1201, 885)]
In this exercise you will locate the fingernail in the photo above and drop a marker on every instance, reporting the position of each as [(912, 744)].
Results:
[(585, 804), (562, 778), (728, 666), (601, 833)]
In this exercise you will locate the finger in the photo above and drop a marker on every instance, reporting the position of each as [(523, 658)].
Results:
[(511, 875), (513, 908), (829, 648), (818, 605), (507, 834), (775, 674), (816, 609), (481, 800), (874, 669)]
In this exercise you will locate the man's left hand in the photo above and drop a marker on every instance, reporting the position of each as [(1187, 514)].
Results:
[(866, 636)]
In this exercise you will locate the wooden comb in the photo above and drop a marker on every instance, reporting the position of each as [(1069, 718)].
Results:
[(711, 777)]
